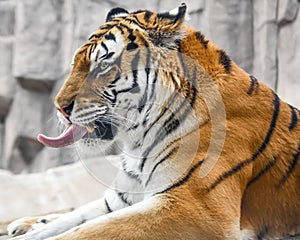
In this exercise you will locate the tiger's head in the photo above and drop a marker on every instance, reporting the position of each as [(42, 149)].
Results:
[(116, 71)]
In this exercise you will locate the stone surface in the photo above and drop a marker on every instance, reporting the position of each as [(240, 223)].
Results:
[(7, 18), (23, 123), (1, 143), (287, 11), (37, 46), (56, 189), (38, 40), (288, 64), (229, 25), (7, 82), (49, 158), (265, 41)]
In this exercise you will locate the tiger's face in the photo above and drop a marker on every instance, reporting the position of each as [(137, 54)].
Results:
[(111, 72)]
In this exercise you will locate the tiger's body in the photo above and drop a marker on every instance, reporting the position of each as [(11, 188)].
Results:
[(190, 184)]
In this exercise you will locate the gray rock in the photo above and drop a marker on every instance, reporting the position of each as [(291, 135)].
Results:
[(86, 24), (265, 41), (289, 62), (260, 35), (133, 5), (56, 189), (7, 82), (23, 123), (229, 25), (37, 49), (49, 158), (287, 11), (1, 143), (7, 18)]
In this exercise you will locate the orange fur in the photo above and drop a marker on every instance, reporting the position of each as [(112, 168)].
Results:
[(255, 182), (208, 207)]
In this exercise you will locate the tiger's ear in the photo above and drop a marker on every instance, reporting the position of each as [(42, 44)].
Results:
[(167, 31), (116, 12), (173, 18)]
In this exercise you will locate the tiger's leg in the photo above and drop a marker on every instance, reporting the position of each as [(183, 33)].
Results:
[(26, 224), (57, 224), (159, 217)]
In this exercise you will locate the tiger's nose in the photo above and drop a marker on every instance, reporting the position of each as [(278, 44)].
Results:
[(66, 110)]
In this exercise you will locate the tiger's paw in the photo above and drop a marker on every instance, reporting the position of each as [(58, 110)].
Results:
[(27, 224)]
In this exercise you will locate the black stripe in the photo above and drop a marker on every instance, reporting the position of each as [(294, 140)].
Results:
[(184, 179), (160, 116), (91, 50), (131, 174), (134, 19), (173, 80), (120, 29), (291, 236), (138, 11), (110, 36), (107, 206), (254, 85), (147, 15), (153, 84), (160, 132), (194, 87), (105, 47), (124, 198), (95, 36), (114, 13), (202, 39), (109, 55), (263, 171), (160, 162), (291, 167), (132, 45), (172, 119), (181, 57), (145, 120), (134, 64), (135, 86), (240, 166), (143, 100), (261, 235), (170, 125), (107, 26), (225, 60), (294, 118)]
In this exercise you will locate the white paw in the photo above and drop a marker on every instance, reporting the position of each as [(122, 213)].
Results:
[(21, 226), (27, 224)]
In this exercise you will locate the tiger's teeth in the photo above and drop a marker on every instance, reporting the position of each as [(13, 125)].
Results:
[(90, 129)]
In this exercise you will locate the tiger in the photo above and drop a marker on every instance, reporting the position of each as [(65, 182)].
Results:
[(213, 152)]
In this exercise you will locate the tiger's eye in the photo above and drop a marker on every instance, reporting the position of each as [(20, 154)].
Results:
[(103, 66)]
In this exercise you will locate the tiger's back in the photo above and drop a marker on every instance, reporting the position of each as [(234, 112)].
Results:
[(262, 145)]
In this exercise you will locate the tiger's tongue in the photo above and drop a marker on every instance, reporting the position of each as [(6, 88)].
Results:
[(70, 136)]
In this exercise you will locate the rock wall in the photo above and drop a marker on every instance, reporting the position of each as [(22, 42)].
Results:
[(38, 38)]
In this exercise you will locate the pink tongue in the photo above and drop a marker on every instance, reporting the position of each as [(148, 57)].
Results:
[(70, 136)]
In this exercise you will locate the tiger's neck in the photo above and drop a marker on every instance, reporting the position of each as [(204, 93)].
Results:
[(157, 131), (228, 77)]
